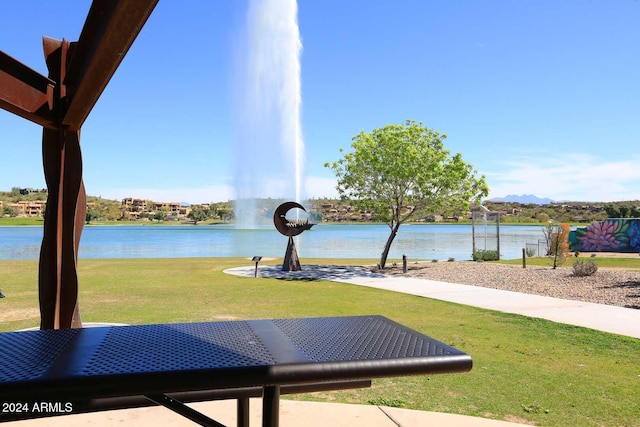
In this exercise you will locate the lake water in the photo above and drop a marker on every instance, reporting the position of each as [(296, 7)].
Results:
[(426, 241)]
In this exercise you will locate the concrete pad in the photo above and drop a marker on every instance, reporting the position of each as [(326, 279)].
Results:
[(292, 414)]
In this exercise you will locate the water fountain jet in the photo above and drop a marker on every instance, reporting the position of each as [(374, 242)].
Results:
[(267, 121)]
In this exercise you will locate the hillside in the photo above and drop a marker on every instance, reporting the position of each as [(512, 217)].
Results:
[(336, 210)]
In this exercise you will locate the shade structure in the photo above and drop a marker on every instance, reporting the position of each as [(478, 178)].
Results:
[(61, 102)]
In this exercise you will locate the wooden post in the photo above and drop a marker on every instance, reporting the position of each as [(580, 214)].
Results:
[(498, 234)]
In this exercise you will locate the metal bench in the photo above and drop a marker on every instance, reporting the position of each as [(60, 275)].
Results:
[(92, 369)]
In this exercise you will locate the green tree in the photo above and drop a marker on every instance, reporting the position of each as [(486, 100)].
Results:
[(612, 211), (8, 210), (91, 214), (543, 217), (624, 211), (113, 212), (160, 215), (214, 211), (226, 214), (197, 215), (401, 170)]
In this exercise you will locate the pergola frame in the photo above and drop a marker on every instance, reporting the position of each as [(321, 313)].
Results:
[(60, 103)]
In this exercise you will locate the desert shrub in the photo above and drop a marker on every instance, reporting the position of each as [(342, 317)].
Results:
[(485, 256), (584, 268)]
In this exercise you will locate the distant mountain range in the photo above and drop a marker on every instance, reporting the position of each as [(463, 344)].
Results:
[(524, 199)]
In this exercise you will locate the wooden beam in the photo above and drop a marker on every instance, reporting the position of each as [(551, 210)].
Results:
[(109, 31)]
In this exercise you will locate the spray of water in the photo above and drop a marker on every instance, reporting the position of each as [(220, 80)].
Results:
[(267, 120)]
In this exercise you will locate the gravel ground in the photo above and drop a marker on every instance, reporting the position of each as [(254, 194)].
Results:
[(607, 286)]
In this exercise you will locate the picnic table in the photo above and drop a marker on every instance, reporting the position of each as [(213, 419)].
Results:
[(58, 372)]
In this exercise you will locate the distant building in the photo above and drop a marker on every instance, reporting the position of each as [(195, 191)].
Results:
[(132, 208), (28, 208), (27, 191)]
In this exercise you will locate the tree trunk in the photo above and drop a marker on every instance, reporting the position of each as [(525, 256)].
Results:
[(387, 246)]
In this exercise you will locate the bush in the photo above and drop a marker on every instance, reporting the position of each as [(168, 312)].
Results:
[(485, 256), (584, 268)]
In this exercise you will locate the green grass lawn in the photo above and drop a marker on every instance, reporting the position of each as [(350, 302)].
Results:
[(12, 222), (525, 370)]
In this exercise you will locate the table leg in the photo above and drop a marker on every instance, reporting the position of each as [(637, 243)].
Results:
[(184, 410), (271, 406), (243, 412)]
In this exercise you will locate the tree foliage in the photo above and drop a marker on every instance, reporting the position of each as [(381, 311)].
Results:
[(197, 215), (91, 214), (400, 170), (622, 211)]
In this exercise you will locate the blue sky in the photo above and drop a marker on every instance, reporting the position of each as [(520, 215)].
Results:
[(542, 97)]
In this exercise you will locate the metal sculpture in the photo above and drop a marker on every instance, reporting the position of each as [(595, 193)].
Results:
[(290, 228), (60, 103)]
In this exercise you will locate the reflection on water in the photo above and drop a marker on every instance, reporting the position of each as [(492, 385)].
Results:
[(322, 241)]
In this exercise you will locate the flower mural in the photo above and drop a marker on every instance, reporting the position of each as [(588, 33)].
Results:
[(600, 236), (619, 235), (634, 235)]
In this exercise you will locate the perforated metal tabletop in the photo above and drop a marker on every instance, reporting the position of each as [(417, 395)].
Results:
[(92, 363)]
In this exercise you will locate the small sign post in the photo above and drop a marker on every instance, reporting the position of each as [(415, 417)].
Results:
[(256, 259)]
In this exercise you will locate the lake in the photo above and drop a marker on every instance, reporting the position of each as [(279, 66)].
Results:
[(428, 241)]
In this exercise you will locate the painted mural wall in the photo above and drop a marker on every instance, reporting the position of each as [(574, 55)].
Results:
[(612, 235)]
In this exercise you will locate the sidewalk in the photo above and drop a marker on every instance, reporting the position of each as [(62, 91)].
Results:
[(607, 318), (292, 414)]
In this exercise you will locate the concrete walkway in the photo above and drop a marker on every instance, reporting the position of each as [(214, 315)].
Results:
[(623, 321), (607, 318), (292, 414)]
